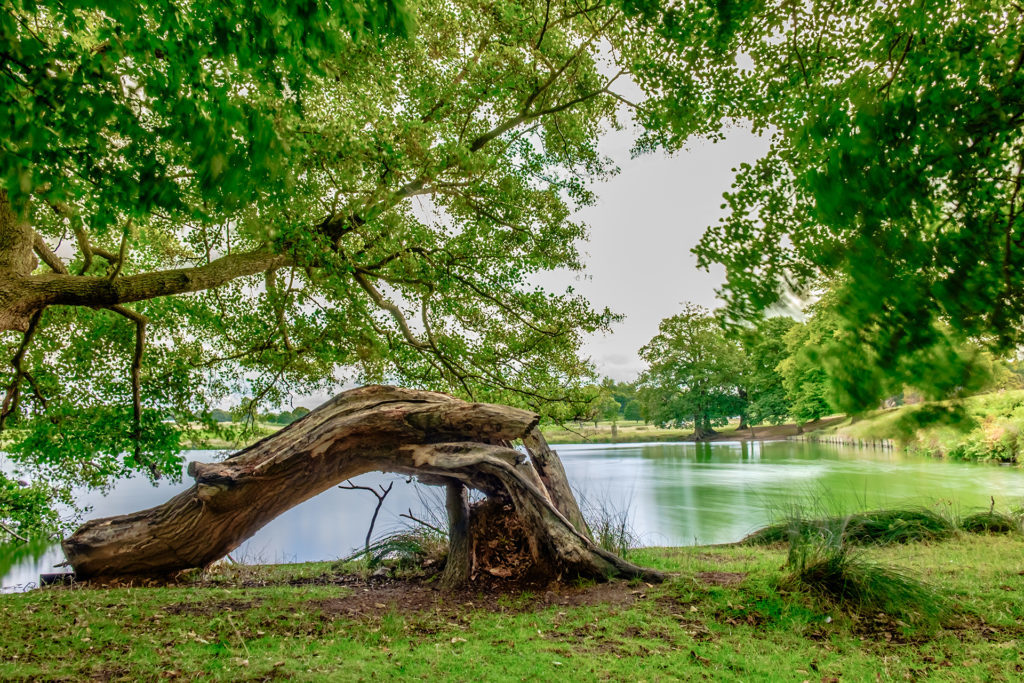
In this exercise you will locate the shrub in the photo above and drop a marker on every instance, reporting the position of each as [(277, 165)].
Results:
[(879, 527), (989, 522), (824, 565)]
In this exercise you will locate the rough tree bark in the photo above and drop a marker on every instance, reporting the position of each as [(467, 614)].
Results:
[(435, 437)]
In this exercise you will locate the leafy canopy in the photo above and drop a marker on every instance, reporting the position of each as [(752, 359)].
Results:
[(895, 162), (203, 200), (693, 371), (764, 348)]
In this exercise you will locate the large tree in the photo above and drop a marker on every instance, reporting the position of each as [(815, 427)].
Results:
[(896, 160), (764, 348), (201, 199), (693, 374)]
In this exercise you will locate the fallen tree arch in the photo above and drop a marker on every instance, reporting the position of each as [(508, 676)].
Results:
[(437, 438)]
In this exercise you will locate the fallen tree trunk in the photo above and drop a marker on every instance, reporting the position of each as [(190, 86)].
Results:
[(437, 438)]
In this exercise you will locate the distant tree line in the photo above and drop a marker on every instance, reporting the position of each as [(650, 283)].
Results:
[(702, 372), (285, 417)]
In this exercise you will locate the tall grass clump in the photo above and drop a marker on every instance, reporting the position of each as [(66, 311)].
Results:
[(412, 547), (990, 522), (610, 526), (823, 563), (878, 527), (421, 541)]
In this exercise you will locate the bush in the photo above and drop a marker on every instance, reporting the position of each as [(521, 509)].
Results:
[(989, 522), (848, 580), (879, 527), (824, 565)]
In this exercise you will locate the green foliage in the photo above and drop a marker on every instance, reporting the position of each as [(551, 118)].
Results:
[(109, 111), (286, 417), (693, 372), (28, 521), (342, 199), (25, 511), (633, 410), (607, 408), (764, 347), (622, 392), (987, 427), (895, 161), (804, 376)]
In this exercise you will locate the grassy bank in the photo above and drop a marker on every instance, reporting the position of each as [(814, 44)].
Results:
[(989, 427), (727, 614), (638, 432), (603, 432)]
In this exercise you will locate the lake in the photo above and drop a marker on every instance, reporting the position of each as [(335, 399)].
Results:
[(676, 494)]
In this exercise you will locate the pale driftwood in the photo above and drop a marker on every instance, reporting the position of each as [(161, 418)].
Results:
[(435, 437)]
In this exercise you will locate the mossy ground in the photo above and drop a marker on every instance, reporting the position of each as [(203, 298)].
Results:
[(725, 615)]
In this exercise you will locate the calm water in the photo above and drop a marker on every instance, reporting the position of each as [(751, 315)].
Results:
[(677, 494)]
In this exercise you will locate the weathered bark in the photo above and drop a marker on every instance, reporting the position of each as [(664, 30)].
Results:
[(438, 438), (702, 427), (22, 295), (459, 565), (16, 262)]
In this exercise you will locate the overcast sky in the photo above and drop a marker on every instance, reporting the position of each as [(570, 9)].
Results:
[(643, 226)]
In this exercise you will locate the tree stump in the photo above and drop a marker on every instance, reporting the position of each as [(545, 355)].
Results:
[(437, 438)]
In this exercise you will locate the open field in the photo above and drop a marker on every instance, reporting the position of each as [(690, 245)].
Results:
[(633, 432), (726, 614)]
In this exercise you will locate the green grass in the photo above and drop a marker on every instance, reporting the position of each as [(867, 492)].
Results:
[(625, 432), (727, 614), (986, 427)]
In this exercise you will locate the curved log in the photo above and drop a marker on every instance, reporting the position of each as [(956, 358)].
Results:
[(440, 439)]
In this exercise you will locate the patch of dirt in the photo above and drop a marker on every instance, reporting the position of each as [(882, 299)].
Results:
[(720, 578), (369, 600)]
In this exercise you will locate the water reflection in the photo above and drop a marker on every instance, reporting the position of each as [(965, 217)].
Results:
[(680, 493)]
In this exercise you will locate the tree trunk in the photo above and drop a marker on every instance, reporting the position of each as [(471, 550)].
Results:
[(440, 439), (702, 427), (746, 404), (459, 566)]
